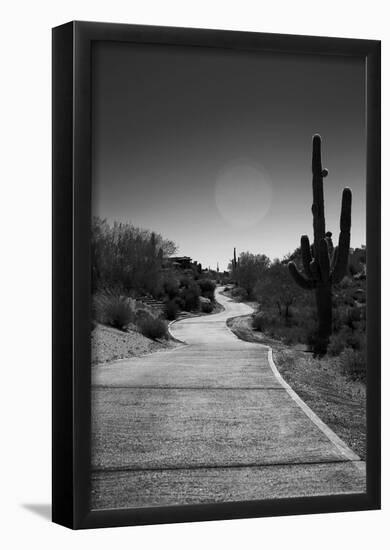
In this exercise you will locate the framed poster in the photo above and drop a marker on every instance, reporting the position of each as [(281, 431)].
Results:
[(216, 306)]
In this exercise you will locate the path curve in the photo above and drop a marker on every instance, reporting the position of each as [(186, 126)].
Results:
[(209, 421), (211, 330)]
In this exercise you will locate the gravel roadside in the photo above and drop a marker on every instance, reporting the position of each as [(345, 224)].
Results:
[(109, 344)]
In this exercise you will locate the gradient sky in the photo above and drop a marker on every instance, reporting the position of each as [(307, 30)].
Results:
[(212, 148)]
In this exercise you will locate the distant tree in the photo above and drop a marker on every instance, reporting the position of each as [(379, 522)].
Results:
[(169, 247), (250, 269), (127, 257), (276, 287)]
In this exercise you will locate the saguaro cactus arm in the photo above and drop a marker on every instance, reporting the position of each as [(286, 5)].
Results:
[(306, 255), (328, 237), (341, 261), (318, 209), (334, 258)]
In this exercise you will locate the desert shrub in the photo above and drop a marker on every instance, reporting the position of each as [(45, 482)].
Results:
[(338, 319), (360, 295), (141, 313), (311, 333), (287, 335), (206, 284), (285, 359), (113, 309), (353, 364), (129, 257), (152, 327), (171, 310), (179, 302), (336, 344), (353, 317), (345, 283), (207, 288), (258, 321), (185, 281), (293, 335), (352, 269), (239, 293), (189, 295), (276, 289), (268, 323), (354, 339), (206, 307), (171, 288), (250, 269)]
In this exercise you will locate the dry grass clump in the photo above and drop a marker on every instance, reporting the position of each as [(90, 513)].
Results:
[(353, 364), (113, 309), (153, 327)]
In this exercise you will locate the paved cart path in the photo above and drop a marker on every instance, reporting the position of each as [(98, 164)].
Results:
[(209, 421)]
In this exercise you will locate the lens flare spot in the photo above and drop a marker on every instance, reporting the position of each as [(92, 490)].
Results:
[(243, 193)]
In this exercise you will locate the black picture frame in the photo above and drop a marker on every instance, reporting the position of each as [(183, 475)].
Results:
[(71, 271)]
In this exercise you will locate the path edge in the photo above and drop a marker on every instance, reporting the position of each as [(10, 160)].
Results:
[(330, 434)]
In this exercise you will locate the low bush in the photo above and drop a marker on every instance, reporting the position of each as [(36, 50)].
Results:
[(207, 288), (189, 295), (171, 287), (353, 317), (180, 303), (354, 339), (206, 307), (113, 309), (239, 293), (206, 284), (152, 327), (293, 335), (171, 310), (336, 345), (285, 359), (353, 364), (271, 325), (185, 280), (258, 321), (142, 312)]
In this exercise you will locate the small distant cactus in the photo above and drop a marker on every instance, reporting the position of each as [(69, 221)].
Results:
[(323, 265), (235, 265)]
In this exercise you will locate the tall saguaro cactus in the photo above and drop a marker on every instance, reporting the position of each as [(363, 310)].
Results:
[(323, 266)]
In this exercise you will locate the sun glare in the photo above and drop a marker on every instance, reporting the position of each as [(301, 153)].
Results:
[(243, 193)]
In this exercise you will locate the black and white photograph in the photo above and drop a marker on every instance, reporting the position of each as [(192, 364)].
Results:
[(228, 275), (193, 315)]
